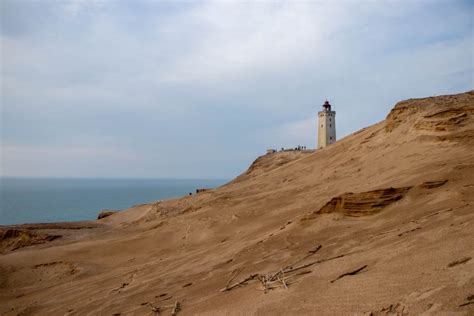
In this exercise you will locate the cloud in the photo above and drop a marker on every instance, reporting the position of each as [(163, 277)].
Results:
[(252, 37), (75, 7), (220, 80)]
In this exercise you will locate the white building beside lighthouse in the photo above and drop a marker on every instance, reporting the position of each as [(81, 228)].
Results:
[(326, 126)]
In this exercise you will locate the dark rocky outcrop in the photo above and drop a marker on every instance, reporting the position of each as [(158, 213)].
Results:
[(106, 213)]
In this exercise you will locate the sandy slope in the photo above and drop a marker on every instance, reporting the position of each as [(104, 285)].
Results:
[(395, 200)]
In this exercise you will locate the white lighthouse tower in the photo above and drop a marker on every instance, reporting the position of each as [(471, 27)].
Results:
[(326, 126)]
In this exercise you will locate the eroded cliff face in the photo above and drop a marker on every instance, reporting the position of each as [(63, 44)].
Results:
[(364, 203), (439, 115), (12, 239), (387, 210)]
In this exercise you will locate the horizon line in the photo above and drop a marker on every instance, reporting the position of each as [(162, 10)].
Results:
[(109, 178)]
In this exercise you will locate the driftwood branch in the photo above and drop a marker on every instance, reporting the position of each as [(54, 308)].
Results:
[(281, 276), (349, 273), (277, 277)]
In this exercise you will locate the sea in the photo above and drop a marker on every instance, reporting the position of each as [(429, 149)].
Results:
[(44, 200)]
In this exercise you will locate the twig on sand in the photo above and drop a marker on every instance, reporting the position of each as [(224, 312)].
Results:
[(289, 267), (176, 308), (460, 261), (119, 287), (310, 253), (243, 282), (282, 280), (154, 309), (470, 300), (234, 274), (349, 273), (264, 280)]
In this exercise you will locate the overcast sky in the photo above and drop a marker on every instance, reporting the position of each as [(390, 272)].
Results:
[(199, 89)]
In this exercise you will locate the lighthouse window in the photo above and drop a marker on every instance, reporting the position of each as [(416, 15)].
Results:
[(330, 137), (321, 125), (329, 125), (329, 120)]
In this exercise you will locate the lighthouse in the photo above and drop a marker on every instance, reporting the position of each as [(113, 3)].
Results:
[(326, 126)]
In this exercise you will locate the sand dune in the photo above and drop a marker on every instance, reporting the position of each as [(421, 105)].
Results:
[(380, 223)]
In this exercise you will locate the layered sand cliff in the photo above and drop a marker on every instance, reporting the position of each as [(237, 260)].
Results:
[(379, 223)]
